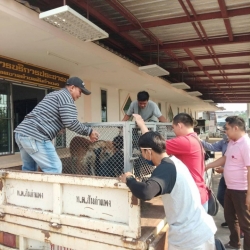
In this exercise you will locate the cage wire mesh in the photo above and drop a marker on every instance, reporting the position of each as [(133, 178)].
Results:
[(142, 170), (116, 151), (165, 130)]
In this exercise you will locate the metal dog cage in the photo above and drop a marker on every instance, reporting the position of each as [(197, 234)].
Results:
[(115, 152)]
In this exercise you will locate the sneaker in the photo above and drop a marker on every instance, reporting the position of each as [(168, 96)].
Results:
[(224, 224), (228, 246)]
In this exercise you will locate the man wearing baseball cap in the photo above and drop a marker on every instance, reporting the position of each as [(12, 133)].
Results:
[(55, 112)]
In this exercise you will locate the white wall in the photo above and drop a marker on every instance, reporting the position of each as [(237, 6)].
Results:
[(113, 104), (89, 107), (123, 98), (92, 104), (133, 95), (80, 109)]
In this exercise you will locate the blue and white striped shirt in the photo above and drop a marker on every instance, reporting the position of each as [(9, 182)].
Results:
[(56, 111)]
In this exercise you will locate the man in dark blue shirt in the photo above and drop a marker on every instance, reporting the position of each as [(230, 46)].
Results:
[(219, 146)]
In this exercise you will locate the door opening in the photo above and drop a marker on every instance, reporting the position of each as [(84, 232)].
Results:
[(24, 100), (5, 119)]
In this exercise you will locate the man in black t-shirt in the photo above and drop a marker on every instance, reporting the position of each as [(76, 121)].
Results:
[(172, 180)]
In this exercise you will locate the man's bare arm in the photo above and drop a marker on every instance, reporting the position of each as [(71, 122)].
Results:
[(126, 118), (141, 124), (219, 162), (162, 119)]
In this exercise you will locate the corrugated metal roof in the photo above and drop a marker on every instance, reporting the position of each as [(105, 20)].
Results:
[(240, 24), (235, 4), (226, 49), (214, 28), (152, 10), (175, 32), (200, 51), (109, 12), (204, 6), (234, 60), (247, 77), (176, 26), (232, 77)]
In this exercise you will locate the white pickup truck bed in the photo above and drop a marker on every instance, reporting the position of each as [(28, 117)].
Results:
[(46, 211)]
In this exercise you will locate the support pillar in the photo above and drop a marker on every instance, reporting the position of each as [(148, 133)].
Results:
[(248, 115)]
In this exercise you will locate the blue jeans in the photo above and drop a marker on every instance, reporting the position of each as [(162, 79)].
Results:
[(38, 153), (221, 191)]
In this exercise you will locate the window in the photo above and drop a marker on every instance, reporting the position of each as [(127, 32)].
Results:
[(104, 105), (170, 114), (126, 107), (159, 105), (127, 104)]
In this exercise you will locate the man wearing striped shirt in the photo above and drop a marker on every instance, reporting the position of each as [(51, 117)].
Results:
[(55, 112)]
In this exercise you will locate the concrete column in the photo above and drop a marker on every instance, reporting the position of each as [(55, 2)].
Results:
[(87, 103), (248, 114)]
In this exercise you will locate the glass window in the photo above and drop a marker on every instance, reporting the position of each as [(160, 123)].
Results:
[(170, 114), (104, 105), (159, 105), (127, 104), (5, 119), (126, 107)]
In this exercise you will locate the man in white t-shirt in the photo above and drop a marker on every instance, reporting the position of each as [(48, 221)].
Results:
[(148, 110), (190, 227)]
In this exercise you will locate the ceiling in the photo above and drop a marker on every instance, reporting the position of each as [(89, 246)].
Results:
[(26, 38), (205, 43)]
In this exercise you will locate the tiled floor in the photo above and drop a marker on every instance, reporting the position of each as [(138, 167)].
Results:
[(15, 159)]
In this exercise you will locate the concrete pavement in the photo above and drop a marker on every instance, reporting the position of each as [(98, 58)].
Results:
[(222, 233)]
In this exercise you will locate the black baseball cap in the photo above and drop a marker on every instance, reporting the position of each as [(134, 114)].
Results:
[(76, 81)]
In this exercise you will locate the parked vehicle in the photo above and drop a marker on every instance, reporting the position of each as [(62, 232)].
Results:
[(41, 211), (80, 210)]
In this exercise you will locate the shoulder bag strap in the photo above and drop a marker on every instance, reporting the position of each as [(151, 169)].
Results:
[(202, 155)]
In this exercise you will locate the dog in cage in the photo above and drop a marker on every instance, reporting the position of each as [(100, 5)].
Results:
[(78, 148), (97, 153), (114, 166)]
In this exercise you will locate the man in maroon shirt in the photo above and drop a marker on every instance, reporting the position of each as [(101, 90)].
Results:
[(187, 148)]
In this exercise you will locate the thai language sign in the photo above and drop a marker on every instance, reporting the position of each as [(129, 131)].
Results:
[(97, 203), (29, 194), (27, 73)]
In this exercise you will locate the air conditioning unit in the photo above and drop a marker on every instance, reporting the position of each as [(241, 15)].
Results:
[(154, 70), (180, 85)]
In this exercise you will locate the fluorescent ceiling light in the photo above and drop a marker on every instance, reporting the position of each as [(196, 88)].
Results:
[(195, 93), (221, 108), (180, 85), (73, 23), (208, 100), (154, 70)]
